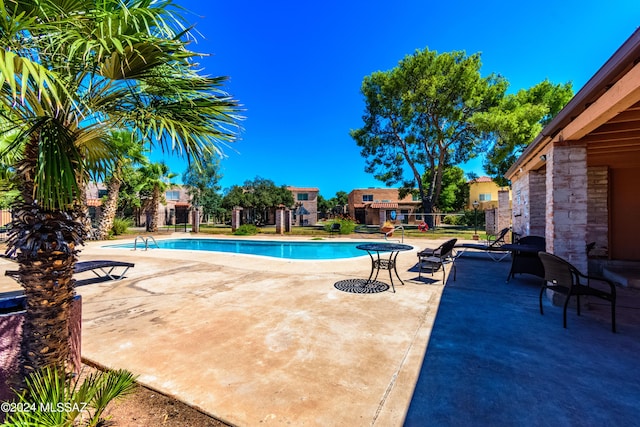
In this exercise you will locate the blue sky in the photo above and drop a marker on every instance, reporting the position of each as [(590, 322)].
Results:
[(297, 68)]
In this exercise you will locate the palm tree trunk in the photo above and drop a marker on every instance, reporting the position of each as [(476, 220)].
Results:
[(109, 208), (46, 274), (155, 200), (45, 244), (81, 214)]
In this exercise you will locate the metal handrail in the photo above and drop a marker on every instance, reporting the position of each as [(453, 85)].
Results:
[(400, 227), (146, 242), (154, 242)]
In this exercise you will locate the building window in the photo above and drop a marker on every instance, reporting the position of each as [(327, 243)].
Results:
[(367, 197), (416, 198), (484, 197), (102, 193), (173, 195), (303, 196)]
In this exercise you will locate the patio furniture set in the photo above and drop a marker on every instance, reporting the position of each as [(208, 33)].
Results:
[(528, 256)]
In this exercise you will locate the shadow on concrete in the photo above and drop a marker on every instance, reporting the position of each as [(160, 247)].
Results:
[(493, 359)]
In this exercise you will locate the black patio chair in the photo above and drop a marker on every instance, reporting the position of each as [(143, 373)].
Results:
[(335, 228), (437, 258), (560, 276)]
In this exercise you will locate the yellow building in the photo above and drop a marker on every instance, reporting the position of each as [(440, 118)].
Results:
[(485, 191)]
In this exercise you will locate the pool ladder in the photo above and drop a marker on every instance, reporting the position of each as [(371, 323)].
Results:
[(144, 240), (396, 228)]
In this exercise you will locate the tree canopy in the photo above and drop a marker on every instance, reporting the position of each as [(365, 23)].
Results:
[(256, 197), (202, 182), (516, 121), (418, 118)]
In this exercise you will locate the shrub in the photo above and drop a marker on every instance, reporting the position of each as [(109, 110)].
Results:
[(469, 218), (246, 230), (121, 225), (452, 219), (55, 398)]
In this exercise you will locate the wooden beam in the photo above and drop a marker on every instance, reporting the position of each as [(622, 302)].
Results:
[(621, 96), (631, 115), (633, 135), (610, 127)]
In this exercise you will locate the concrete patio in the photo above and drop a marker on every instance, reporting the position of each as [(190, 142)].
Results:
[(493, 360), (260, 341)]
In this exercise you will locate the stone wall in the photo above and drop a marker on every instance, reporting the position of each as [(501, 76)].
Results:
[(566, 205), (537, 202), (598, 209)]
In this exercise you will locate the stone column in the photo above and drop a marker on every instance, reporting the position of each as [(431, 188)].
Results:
[(195, 219), (236, 218), (566, 207), (520, 211), (491, 221), (287, 220), (503, 214), (280, 221), (537, 202)]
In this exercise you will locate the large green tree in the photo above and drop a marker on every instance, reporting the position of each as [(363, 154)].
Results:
[(455, 190), (516, 121), (418, 115), (256, 197), (203, 186), (70, 73)]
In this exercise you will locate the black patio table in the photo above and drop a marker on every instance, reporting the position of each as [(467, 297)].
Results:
[(378, 263), (525, 257)]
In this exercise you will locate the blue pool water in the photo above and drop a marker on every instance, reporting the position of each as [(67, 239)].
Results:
[(315, 250)]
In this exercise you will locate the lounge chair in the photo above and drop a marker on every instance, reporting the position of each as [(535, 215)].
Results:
[(101, 268), (493, 247)]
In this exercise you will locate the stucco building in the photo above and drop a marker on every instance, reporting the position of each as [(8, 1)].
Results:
[(485, 191), (305, 210), (373, 206)]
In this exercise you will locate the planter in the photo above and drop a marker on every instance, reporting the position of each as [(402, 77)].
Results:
[(11, 317)]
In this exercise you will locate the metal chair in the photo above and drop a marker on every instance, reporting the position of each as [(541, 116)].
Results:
[(560, 276), (437, 258)]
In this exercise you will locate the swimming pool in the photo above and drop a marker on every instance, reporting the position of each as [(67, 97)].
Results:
[(315, 250)]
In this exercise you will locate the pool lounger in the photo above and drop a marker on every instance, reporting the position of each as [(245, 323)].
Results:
[(101, 268)]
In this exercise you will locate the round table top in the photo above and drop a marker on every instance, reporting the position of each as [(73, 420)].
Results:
[(384, 247)]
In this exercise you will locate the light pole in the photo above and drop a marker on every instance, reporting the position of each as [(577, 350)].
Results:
[(475, 209)]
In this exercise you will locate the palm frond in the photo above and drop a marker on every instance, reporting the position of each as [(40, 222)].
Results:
[(18, 72), (57, 166)]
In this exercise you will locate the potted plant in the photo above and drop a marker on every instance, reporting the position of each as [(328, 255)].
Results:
[(387, 228)]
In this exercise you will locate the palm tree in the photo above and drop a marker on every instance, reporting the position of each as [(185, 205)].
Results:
[(155, 181), (70, 73), (128, 150)]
